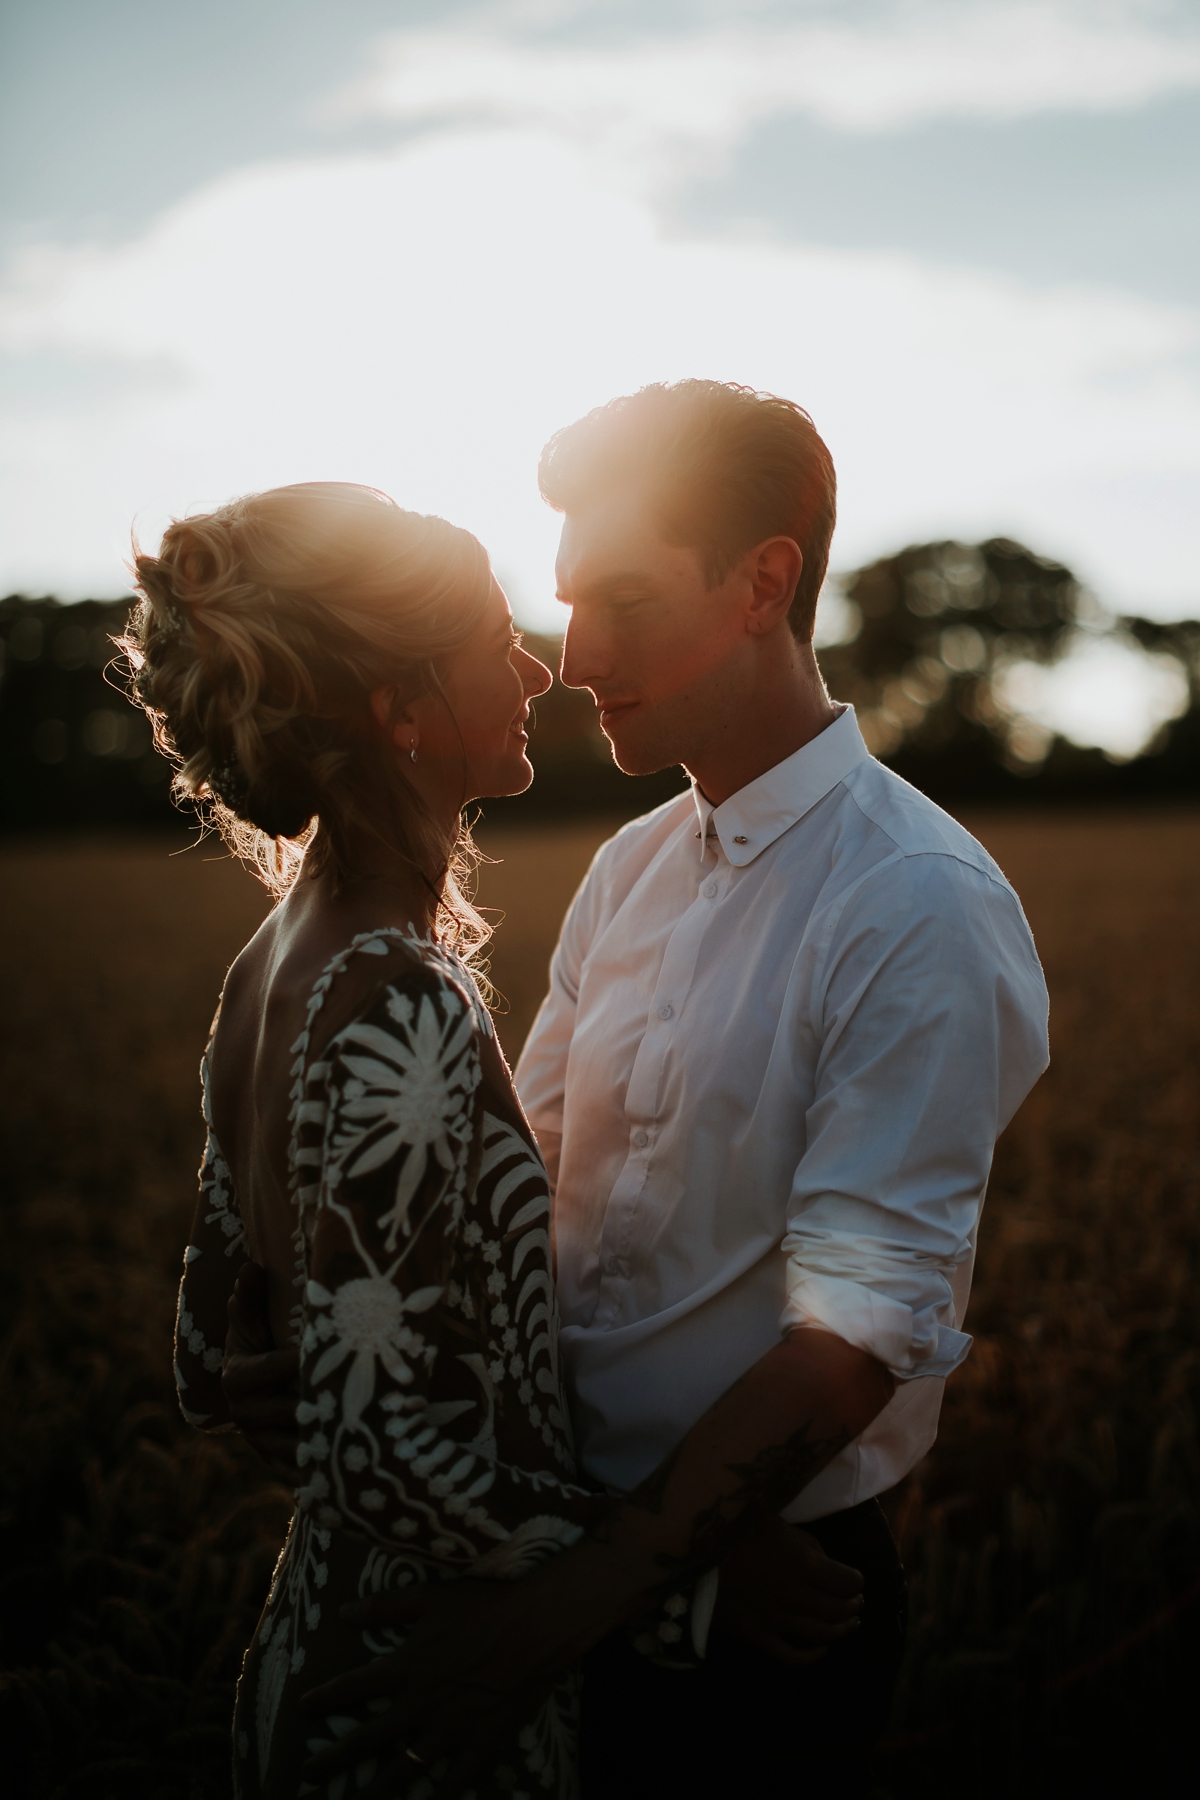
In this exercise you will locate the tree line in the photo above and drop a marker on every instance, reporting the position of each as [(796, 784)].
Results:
[(932, 637)]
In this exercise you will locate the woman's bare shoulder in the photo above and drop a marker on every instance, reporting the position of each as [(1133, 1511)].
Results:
[(301, 960)]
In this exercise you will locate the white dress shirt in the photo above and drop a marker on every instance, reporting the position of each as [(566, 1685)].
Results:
[(781, 1039)]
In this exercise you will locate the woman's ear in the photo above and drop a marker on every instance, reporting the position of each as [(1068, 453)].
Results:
[(394, 719)]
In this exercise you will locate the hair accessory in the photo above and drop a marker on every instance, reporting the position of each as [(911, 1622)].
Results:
[(229, 784), (172, 621)]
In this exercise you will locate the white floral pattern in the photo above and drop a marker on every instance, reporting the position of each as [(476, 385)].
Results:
[(434, 1435), (222, 1235)]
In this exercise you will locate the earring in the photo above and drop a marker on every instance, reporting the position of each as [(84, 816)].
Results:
[(413, 752)]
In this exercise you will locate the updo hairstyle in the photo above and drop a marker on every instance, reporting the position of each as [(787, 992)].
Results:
[(262, 630)]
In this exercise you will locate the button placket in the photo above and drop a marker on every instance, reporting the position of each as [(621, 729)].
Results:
[(643, 1097)]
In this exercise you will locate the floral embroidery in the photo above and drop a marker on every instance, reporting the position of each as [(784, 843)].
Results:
[(434, 1437), (197, 1359), (366, 1319), (408, 1094)]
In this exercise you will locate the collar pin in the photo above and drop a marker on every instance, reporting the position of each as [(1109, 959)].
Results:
[(739, 840)]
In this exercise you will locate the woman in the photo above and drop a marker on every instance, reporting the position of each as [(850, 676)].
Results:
[(334, 678)]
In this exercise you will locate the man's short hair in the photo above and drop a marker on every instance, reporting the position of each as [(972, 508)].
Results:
[(724, 466)]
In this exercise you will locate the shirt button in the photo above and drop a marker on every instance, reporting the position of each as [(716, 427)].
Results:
[(709, 890), (666, 1012), (640, 1139)]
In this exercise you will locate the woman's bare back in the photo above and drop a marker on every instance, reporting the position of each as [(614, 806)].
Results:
[(263, 1012)]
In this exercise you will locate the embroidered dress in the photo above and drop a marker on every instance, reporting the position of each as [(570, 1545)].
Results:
[(433, 1429)]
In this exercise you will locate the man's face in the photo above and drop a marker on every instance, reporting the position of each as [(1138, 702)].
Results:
[(659, 649)]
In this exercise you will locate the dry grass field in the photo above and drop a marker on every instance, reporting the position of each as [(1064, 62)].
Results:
[(1052, 1537)]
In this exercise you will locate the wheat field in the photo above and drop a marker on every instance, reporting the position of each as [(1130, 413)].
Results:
[(1052, 1537)]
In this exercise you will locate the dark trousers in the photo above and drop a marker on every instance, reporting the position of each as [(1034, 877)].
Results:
[(744, 1724)]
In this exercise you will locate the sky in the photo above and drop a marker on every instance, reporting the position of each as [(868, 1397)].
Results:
[(249, 242)]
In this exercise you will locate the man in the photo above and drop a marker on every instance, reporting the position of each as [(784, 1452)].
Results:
[(789, 1015)]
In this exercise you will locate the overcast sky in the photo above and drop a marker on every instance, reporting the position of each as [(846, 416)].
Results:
[(255, 241)]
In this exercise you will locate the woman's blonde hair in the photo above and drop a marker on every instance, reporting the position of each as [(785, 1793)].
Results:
[(262, 631)]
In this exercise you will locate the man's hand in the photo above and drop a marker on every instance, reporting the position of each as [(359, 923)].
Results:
[(261, 1383), (780, 1592), (481, 1654)]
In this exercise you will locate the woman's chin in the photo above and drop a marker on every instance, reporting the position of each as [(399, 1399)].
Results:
[(512, 776)]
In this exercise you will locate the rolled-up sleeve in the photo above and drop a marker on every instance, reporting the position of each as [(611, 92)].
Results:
[(930, 1011)]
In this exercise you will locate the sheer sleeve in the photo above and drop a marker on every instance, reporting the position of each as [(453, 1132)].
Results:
[(216, 1251), (414, 1277)]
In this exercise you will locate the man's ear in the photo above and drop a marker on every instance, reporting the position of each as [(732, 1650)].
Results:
[(394, 719), (774, 570)]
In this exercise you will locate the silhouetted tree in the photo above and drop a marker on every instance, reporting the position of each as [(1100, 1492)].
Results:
[(938, 624), (936, 628)]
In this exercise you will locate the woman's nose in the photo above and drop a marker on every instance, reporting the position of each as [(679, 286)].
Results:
[(537, 677)]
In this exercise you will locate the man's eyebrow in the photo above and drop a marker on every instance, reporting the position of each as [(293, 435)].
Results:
[(610, 585)]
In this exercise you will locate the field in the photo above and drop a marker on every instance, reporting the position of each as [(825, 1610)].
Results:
[(1052, 1537)]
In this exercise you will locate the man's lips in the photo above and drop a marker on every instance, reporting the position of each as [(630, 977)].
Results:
[(613, 711)]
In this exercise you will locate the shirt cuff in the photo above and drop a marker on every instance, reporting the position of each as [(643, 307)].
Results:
[(908, 1343)]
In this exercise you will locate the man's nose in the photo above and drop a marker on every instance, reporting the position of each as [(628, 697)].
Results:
[(585, 661)]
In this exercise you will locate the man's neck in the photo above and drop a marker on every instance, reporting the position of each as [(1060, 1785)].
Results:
[(786, 711)]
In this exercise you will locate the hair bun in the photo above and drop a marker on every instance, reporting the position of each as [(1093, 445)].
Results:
[(262, 632)]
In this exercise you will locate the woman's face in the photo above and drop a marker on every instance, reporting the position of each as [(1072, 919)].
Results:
[(489, 683)]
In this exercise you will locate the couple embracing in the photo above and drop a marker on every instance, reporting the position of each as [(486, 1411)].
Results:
[(597, 1386)]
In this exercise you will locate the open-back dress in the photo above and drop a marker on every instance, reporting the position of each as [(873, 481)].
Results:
[(434, 1440)]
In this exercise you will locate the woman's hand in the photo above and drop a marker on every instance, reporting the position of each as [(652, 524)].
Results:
[(780, 1592), (480, 1658), (261, 1384)]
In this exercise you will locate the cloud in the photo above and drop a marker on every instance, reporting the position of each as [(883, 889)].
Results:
[(423, 317), (661, 103)]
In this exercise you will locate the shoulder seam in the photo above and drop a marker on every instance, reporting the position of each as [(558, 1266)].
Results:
[(947, 850)]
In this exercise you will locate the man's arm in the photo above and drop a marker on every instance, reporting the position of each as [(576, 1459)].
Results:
[(746, 1458), (482, 1655), (931, 1031)]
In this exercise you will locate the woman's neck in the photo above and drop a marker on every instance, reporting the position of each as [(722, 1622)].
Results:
[(385, 891)]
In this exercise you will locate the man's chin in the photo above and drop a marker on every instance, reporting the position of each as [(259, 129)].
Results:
[(633, 758)]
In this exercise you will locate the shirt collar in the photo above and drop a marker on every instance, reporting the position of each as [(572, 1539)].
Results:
[(751, 820)]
